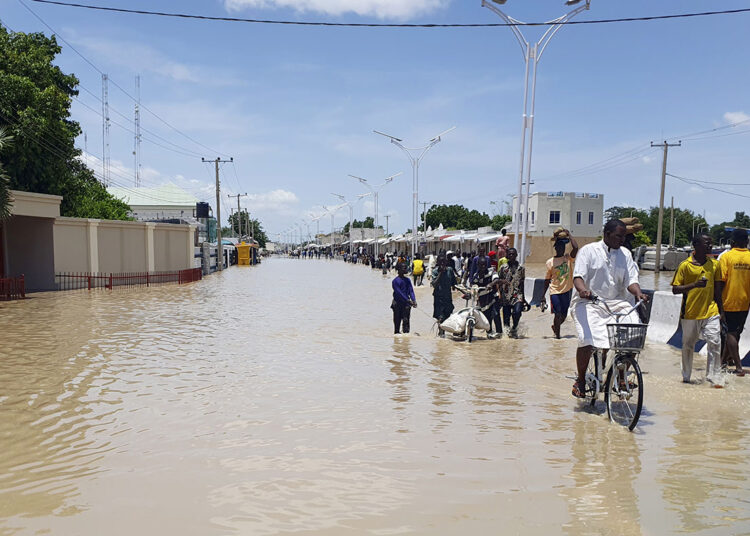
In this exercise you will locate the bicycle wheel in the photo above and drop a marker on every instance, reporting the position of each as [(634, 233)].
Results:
[(592, 373), (623, 393)]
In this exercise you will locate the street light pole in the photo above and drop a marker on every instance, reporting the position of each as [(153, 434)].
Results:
[(415, 175), (375, 191), (532, 53), (351, 216)]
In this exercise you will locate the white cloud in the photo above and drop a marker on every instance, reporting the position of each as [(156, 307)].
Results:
[(273, 201), (382, 9), (736, 117)]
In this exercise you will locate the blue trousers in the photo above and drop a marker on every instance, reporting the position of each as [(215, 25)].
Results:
[(512, 312)]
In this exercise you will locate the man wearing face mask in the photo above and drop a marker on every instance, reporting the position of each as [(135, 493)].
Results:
[(606, 270)]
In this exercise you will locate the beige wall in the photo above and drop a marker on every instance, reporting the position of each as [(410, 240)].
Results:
[(87, 245)]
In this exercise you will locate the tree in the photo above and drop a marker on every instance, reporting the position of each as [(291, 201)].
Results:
[(250, 226), (368, 223), (499, 221), (720, 235), (35, 98), (456, 217), (5, 198), (686, 222)]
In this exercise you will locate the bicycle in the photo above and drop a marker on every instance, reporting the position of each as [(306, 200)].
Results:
[(471, 294), (623, 388)]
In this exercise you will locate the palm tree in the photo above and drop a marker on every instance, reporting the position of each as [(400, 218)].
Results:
[(5, 197)]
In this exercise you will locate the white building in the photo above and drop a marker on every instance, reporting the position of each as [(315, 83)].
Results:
[(581, 213), (165, 202)]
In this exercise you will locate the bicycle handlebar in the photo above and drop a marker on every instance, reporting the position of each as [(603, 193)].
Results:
[(597, 301)]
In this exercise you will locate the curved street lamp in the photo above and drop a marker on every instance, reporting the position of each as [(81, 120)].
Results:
[(375, 191), (410, 152), (532, 53)]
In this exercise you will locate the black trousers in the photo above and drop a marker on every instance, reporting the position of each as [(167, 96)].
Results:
[(401, 315)]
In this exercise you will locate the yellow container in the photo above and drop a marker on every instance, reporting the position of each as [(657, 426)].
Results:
[(243, 254)]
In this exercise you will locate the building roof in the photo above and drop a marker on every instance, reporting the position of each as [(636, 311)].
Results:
[(166, 195)]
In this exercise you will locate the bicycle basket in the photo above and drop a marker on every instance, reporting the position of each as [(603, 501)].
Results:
[(630, 337)]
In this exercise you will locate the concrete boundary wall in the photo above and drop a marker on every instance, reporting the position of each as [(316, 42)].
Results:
[(664, 323), (89, 245)]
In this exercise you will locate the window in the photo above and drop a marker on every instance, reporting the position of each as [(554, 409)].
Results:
[(554, 216), (578, 217), (591, 218), (532, 217)]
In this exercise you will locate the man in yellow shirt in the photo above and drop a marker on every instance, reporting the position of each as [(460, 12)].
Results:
[(699, 315), (733, 295)]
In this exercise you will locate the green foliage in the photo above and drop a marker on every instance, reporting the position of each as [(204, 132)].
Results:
[(499, 221), (641, 239), (456, 217), (250, 226), (368, 223), (5, 197), (686, 222), (718, 232), (35, 98)]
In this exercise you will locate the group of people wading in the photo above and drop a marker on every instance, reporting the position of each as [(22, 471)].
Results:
[(715, 303), (500, 279)]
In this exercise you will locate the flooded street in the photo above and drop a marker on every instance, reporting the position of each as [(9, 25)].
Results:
[(276, 399)]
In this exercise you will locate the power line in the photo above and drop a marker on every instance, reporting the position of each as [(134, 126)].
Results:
[(710, 182), (699, 185), (386, 25), (116, 84)]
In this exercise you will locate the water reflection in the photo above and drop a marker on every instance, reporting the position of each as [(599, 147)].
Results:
[(705, 473), (606, 463)]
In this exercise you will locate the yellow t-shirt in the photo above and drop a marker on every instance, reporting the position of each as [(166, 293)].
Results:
[(698, 303), (560, 274), (735, 271), (418, 267)]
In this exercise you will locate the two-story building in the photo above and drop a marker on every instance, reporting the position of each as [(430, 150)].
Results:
[(581, 213)]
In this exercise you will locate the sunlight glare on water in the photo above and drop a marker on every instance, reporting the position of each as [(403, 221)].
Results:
[(275, 398)]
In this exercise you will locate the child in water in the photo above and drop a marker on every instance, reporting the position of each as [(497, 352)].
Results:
[(403, 299)]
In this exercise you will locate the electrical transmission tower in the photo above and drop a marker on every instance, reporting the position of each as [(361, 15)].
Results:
[(105, 130), (137, 140)]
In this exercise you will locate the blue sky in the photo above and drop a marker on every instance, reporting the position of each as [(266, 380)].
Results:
[(296, 106)]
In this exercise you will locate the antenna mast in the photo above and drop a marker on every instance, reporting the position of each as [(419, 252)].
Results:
[(105, 130), (137, 141)]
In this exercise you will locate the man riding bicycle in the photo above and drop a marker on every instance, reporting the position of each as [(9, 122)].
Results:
[(605, 270)]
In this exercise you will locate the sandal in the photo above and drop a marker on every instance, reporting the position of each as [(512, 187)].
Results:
[(577, 392), (739, 372)]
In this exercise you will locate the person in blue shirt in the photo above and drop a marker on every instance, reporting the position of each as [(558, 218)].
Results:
[(403, 300)]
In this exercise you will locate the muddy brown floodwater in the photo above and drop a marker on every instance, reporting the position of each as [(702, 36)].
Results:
[(275, 399)]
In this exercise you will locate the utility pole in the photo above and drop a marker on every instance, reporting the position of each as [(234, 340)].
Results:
[(239, 213), (387, 218), (219, 248), (666, 146)]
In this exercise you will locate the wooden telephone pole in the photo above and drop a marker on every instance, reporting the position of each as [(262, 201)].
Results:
[(219, 250), (657, 264)]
